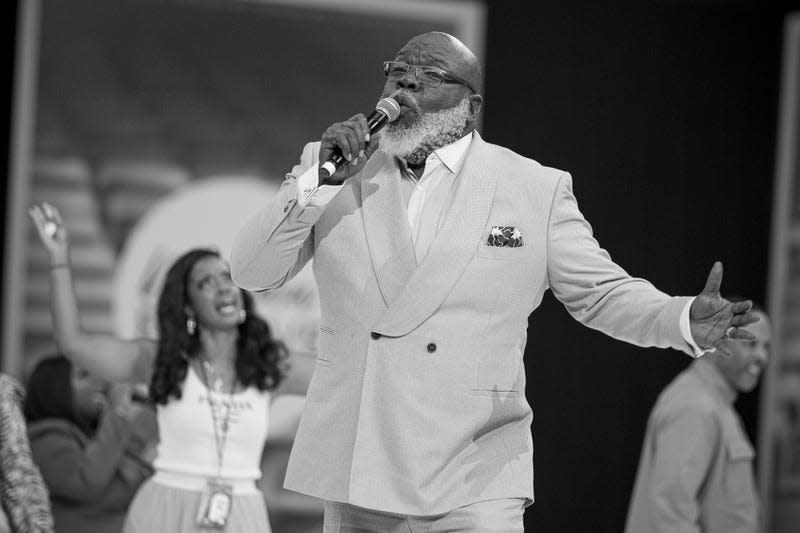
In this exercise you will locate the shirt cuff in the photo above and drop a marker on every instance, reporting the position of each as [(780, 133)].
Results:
[(686, 331), (309, 193)]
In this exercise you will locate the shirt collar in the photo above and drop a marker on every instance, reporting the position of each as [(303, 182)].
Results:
[(708, 372), (452, 156)]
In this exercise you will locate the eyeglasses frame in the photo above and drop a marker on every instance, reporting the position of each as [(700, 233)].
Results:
[(446, 76)]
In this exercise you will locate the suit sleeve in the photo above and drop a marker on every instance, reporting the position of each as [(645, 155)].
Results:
[(599, 293), (684, 451), (277, 242)]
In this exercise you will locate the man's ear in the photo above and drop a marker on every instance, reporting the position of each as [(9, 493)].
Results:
[(475, 106)]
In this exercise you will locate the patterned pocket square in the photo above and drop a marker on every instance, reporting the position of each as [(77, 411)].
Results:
[(506, 236)]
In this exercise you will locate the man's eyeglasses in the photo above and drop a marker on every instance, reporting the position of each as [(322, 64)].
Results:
[(428, 76)]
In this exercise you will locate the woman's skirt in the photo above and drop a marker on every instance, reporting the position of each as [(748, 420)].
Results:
[(161, 508)]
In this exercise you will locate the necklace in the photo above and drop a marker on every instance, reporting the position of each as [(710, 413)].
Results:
[(217, 384), (220, 410)]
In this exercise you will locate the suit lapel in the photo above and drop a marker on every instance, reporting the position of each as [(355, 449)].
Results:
[(387, 229), (451, 250)]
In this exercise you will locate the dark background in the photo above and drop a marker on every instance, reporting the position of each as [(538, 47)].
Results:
[(665, 114)]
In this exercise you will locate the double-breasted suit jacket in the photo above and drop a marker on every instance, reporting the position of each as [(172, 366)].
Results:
[(417, 404)]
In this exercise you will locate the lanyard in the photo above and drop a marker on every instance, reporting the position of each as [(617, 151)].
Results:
[(220, 437)]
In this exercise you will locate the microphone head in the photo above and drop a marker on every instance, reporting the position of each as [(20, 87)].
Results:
[(389, 107)]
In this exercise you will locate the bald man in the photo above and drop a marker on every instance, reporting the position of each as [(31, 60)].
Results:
[(431, 247)]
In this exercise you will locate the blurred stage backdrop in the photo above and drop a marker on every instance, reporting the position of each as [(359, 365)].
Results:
[(158, 125)]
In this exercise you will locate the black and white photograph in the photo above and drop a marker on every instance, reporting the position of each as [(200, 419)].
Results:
[(400, 266)]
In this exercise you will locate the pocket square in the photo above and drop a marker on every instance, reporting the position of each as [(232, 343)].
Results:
[(506, 236)]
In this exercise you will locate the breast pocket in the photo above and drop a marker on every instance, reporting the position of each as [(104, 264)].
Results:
[(739, 481)]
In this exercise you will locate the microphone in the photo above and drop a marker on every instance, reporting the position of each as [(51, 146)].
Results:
[(387, 110)]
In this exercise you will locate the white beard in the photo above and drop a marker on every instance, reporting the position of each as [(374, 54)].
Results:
[(429, 132)]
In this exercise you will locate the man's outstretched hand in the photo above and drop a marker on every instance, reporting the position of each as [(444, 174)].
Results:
[(713, 318)]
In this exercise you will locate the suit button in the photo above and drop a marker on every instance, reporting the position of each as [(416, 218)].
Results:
[(375, 335), (285, 208), (431, 347)]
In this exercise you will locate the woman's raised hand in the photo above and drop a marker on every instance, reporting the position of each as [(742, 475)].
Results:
[(52, 231), (120, 396)]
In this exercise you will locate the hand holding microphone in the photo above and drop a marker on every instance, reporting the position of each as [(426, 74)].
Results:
[(346, 146)]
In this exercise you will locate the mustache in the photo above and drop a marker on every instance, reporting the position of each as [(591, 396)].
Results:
[(407, 99)]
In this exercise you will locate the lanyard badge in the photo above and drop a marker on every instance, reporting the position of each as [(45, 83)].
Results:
[(215, 506)]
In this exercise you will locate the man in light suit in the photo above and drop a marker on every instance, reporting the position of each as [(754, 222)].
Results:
[(696, 470), (429, 255)]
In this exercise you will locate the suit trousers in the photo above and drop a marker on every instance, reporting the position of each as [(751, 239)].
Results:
[(495, 516)]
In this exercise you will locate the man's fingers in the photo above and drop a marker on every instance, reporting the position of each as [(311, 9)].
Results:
[(361, 120), (344, 139), (339, 140), (714, 280), (741, 334), (362, 131), (360, 142), (744, 319), (742, 307), (340, 136), (355, 127), (354, 130), (356, 141), (351, 139)]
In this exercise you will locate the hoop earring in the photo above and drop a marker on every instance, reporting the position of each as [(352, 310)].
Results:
[(191, 326), (242, 316)]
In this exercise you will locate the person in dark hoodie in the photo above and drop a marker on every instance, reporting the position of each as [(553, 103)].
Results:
[(91, 442)]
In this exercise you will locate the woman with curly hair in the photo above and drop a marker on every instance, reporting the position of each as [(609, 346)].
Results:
[(212, 373)]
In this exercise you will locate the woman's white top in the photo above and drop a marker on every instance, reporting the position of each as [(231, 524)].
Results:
[(187, 445)]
